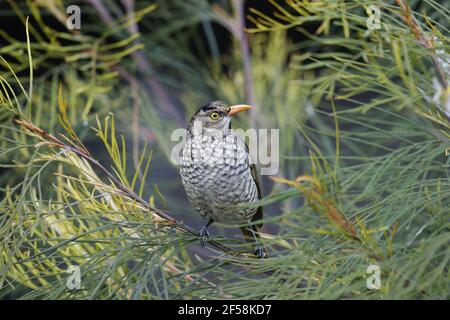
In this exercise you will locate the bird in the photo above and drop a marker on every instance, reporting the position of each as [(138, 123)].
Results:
[(218, 175)]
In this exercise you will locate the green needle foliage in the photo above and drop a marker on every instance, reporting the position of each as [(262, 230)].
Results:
[(364, 138)]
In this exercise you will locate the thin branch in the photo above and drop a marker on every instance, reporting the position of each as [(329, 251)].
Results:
[(242, 36), (236, 25), (163, 215), (422, 39)]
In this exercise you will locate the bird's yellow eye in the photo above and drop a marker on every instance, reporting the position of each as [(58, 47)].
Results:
[(214, 116)]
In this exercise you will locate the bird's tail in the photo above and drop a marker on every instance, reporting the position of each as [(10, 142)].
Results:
[(251, 235)]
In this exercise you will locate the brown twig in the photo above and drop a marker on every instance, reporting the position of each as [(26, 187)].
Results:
[(160, 214), (422, 39), (317, 200)]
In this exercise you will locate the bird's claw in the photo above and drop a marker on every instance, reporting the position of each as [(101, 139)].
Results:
[(260, 252), (204, 233)]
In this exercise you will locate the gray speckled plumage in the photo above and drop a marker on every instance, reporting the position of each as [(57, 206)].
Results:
[(217, 173), (216, 170), (217, 176)]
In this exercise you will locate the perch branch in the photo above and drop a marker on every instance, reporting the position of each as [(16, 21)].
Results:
[(422, 39), (162, 215)]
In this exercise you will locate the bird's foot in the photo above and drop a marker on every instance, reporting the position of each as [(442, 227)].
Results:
[(204, 233), (260, 252)]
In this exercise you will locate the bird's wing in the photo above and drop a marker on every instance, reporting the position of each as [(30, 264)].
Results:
[(259, 213)]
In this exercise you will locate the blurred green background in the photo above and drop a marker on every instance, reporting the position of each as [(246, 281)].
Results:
[(365, 112)]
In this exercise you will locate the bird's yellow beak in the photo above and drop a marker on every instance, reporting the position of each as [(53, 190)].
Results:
[(238, 108)]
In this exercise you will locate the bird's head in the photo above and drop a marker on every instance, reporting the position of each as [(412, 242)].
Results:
[(214, 117)]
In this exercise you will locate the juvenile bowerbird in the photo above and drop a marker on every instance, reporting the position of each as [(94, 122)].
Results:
[(218, 175)]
